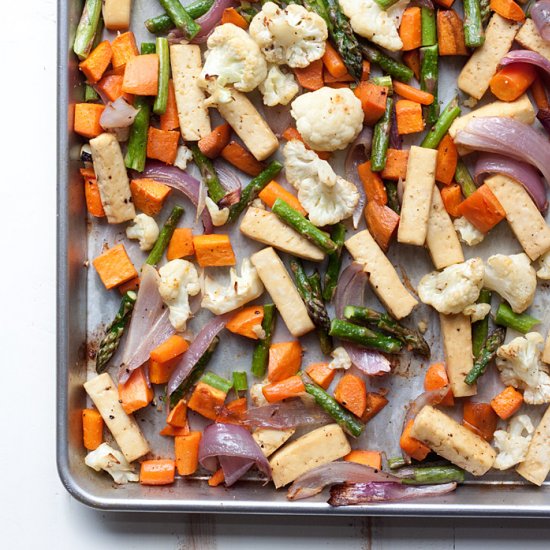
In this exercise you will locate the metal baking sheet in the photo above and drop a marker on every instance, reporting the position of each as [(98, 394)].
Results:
[(84, 306)]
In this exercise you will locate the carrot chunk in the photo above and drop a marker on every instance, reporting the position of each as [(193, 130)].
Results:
[(410, 30), (372, 184), (351, 393), (246, 321), (181, 244), (333, 62), (283, 389), (124, 48), (409, 117), (447, 159), (92, 429), (186, 449), (396, 165), (414, 448), (91, 193), (114, 266), (132, 284), (373, 100), (507, 402), (375, 403), (213, 250), (273, 191), (231, 15), (86, 119), (135, 393), (382, 223), (285, 359), (217, 478), (311, 77), (215, 142), (450, 33), (512, 81), (321, 374), (206, 400), (412, 93), (480, 418), (244, 160), (157, 472), (178, 415), (149, 195), (482, 209), (508, 9), (141, 75), (452, 199), (368, 458), (169, 349), (97, 62), (169, 120), (162, 144), (412, 60), (436, 378)]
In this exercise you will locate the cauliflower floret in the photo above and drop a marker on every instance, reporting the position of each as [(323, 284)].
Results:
[(257, 395), (368, 19), (279, 88), (477, 312), (340, 359), (514, 278), (113, 462), (145, 229), (220, 299), (293, 36), (232, 58), (178, 281), (328, 119), (512, 444), (219, 215), (183, 156), (467, 232), (454, 288), (544, 267), (327, 197), (520, 366)]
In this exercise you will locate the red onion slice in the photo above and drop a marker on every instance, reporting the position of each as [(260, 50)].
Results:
[(540, 13), (490, 163), (498, 134), (526, 56), (543, 116), (180, 180), (288, 414), (230, 182), (432, 397), (313, 482), (211, 19), (118, 114), (367, 493), (235, 450), (196, 350)]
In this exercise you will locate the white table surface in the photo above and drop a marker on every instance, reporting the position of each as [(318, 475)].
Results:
[(35, 510)]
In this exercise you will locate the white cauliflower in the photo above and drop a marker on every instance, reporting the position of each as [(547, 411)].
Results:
[(279, 88), (477, 312), (520, 366), (242, 289), (145, 229), (340, 359), (113, 462), (327, 197), (453, 289), (257, 395), (328, 119), (232, 58), (293, 36), (544, 267), (512, 444), (219, 215), (467, 232), (513, 278), (178, 281), (183, 156), (368, 19)]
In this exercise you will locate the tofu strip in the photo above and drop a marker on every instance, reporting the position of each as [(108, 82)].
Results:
[(112, 179), (442, 241), (383, 278), (536, 465), (186, 63), (249, 125), (457, 348), (529, 37), (417, 197), (452, 441), (265, 227), (104, 393), (314, 449), (524, 217), (278, 283), (116, 14), (476, 75), (546, 351), (270, 439)]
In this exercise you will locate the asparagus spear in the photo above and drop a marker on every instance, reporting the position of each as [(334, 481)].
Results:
[(114, 331), (303, 226), (429, 33), (217, 382), (385, 4), (429, 75), (136, 153), (240, 381), (194, 375), (384, 81), (521, 322), (248, 11), (364, 336), (87, 28), (480, 329), (381, 139), (163, 51), (334, 262), (440, 128), (487, 354), (90, 95), (181, 18), (348, 422), (261, 352), (394, 68), (396, 462), (393, 198), (164, 236), (162, 23), (147, 48), (427, 475), (474, 35), (411, 338), (485, 11), (464, 179), (325, 340), (208, 172), (250, 192)]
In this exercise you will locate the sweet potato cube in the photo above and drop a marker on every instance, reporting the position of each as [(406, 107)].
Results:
[(149, 195), (213, 250), (162, 144), (114, 266)]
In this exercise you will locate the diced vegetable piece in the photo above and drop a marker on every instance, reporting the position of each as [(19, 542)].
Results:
[(169, 119), (157, 472), (382, 222), (231, 15), (285, 359), (162, 144), (412, 60), (141, 75), (351, 393), (169, 349), (91, 193), (452, 199), (206, 400), (114, 266), (269, 439), (149, 195), (372, 184), (447, 158), (368, 458), (375, 403), (116, 14), (92, 429), (373, 100), (87, 28), (291, 133), (410, 30), (396, 165), (214, 143), (507, 402), (512, 81), (124, 48), (482, 209), (218, 382), (238, 156), (480, 418), (412, 94), (186, 449), (310, 77), (436, 378), (412, 446), (409, 117), (217, 478), (111, 86), (246, 322), (86, 119), (529, 38), (213, 250), (171, 431), (234, 412), (260, 356), (321, 374), (177, 417), (273, 191), (536, 465), (135, 393), (181, 244), (283, 389), (521, 322), (333, 62), (97, 62), (508, 9), (160, 373), (450, 33)]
